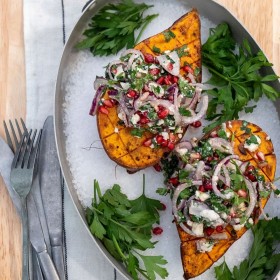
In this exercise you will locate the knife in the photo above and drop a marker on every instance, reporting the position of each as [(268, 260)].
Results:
[(38, 242), (49, 175)]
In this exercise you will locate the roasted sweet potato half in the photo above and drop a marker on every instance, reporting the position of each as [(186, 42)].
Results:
[(136, 150), (219, 191)]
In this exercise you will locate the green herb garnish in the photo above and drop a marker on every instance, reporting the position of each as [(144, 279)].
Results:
[(235, 76), (124, 226), (184, 112), (156, 50), (262, 260), (113, 27), (168, 35)]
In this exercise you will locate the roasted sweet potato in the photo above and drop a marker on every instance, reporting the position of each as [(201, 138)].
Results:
[(263, 159), (124, 148)]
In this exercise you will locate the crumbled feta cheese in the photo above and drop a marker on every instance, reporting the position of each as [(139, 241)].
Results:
[(242, 207), (116, 130), (165, 135), (189, 223), (125, 86), (229, 195), (204, 245), (156, 89), (250, 221), (238, 227), (228, 134), (180, 135), (197, 229), (202, 195), (223, 215), (160, 122), (121, 116), (252, 147), (179, 129), (182, 151), (135, 119)]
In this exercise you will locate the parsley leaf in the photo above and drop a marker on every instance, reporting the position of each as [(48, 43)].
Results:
[(124, 226), (113, 27), (236, 77)]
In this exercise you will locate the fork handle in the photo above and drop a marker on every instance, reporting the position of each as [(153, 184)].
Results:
[(25, 242)]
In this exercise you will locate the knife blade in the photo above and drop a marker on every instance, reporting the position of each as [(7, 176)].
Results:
[(38, 242), (49, 175)]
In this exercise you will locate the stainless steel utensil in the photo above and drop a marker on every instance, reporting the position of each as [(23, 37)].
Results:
[(49, 173), (38, 242), (22, 173)]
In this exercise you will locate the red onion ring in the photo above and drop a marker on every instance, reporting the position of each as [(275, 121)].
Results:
[(253, 198), (200, 114), (94, 105), (217, 172), (221, 144)]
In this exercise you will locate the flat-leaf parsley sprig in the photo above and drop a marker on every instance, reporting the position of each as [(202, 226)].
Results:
[(235, 76), (124, 226), (113, 27)]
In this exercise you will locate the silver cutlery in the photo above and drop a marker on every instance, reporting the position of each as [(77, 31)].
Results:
[(38, 242), (22, 173), (50, 182)]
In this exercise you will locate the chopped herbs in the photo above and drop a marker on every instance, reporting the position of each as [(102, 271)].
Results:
[(185, 112), (235, 76), (168, 35), (113, 27), (124, 226), (252, 140), (182, 51), (137, 132), (156, 50)]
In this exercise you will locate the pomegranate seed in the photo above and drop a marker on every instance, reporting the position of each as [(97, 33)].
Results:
[(210, 159), (172, 137), (175, 79), (209, 231), (157, 230), (219, 228), (157, 167), (188, 69), (154, 71), (149, 58), (250, 169), (196, 124), (163, 113), (103, 110), (164, 143), (171, 146), (201, 188), (174, 181), (160, 80), (242, 193), (131, 93), (163, 206), (170, 66), (159, 139), (167, 81), (252, 177), (144, 120), (108, 103), (147, 143), (208, 186)]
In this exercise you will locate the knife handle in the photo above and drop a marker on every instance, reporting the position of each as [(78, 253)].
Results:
[(47, 266), (58, 259)]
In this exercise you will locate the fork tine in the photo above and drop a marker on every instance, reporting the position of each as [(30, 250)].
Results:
[(36, 150), (24, 149), (30, 148), (23, 125), (8, 137), (18, 128), (18, 152), (14, 134)]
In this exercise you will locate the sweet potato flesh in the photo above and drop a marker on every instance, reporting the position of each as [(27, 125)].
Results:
[(123, 148), (194, 262)]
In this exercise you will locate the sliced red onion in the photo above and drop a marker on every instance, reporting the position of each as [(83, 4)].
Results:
[(164, 61), (199, 170), (219, 236), (188, 231), (264, 214), (217, 171), (192, 78), (99, 81), (253, 198), (221, 144), (100, 91), (115, 62), (132, 51), (226, 173), (200, 114), (195, 98)]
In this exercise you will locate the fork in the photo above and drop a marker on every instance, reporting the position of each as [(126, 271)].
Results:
[(22, 173)]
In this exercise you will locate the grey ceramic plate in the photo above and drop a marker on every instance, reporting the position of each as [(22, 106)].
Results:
[(209, 9)]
